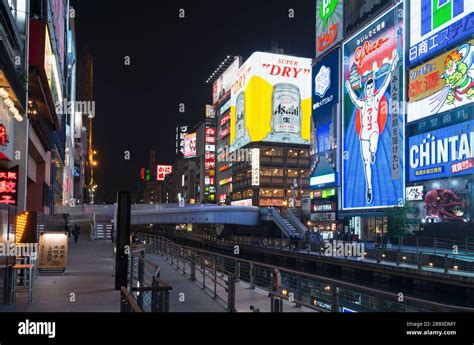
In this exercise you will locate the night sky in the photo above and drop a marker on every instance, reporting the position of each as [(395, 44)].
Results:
[(171, 58)]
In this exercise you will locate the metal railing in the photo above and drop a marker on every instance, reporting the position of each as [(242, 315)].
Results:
[(205, 268), (447, 262), (128, 303), (316, 292), (145, 286)]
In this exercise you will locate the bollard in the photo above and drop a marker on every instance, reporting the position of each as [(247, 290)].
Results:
[(252, 272), (231, 294), (193, 267)]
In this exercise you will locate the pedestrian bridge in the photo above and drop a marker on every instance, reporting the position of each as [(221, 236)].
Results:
[(144, 214), (236, 215)]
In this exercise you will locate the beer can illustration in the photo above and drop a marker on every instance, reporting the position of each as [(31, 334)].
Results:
[(286, 107), (240, 116)]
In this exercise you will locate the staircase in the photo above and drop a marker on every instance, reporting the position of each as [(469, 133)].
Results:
[(284, 224), (291, 230)]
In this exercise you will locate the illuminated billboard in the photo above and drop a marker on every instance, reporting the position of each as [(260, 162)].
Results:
[(442, 84), (9, 186), (271, 100), (445, 152), (325, 118), (222, 85), (189, 145), (162, 171), (329, 28), (436, 24), (372, 116)]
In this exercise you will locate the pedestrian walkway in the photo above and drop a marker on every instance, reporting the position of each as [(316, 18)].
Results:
[(87, 285), (198, 299)]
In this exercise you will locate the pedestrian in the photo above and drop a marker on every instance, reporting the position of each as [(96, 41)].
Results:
[(275, 282), (68, 229), (76, 232)]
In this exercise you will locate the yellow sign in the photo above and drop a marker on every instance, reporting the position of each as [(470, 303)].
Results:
[(271, 100), (53, 248)]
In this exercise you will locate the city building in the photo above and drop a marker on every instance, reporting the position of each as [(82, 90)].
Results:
[(13, 104), (47, 71), (83, 166), (223, 78)]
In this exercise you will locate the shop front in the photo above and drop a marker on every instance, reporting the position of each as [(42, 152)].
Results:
[(324, 212)]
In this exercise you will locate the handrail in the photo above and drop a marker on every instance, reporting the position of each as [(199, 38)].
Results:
[(130, 300), (278, 219), (339, 283), (295, 221)]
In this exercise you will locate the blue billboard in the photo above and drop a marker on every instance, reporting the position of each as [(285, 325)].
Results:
[(437, 24), (325, 111), (445, 152), (373, 159)]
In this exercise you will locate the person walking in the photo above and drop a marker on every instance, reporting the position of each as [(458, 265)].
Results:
[(76, 232), (275, 282)]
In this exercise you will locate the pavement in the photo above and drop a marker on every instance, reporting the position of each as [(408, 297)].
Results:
[(87, 285)]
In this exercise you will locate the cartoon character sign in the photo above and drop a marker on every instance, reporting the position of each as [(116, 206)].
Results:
[(442, 84), (445, 205), (373, 121), (459, 74)]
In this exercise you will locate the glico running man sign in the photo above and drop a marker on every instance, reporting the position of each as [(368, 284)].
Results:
[(372, 118)]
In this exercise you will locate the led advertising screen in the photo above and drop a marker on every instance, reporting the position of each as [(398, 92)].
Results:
[(372, 117), (325, 118), (271, 100), (442, 84), (189, 145), (437, 24), (329, 24), (222, 85), (445, 152)]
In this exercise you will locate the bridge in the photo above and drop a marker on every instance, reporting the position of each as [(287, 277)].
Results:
[(145, 214)]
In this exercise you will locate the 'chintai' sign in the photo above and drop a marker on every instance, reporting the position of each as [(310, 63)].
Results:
[(445, 152)]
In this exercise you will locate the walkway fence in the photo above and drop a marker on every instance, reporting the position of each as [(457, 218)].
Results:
[(150, 293), (219, 273), (447, 256)]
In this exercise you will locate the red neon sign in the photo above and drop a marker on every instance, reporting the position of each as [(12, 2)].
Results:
[(9, 186)]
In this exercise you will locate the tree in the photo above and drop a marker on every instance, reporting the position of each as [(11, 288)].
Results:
[(399, 221)]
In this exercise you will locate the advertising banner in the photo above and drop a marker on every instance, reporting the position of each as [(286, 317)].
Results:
[(9, 186), (222, 85), (210, 112), (53, 249), (372, 118), (189, 145), (329, 24), (325, 118), (446, 152), (271, 100), (162, 171), (414, 193), (442, 84), (436, 24)]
